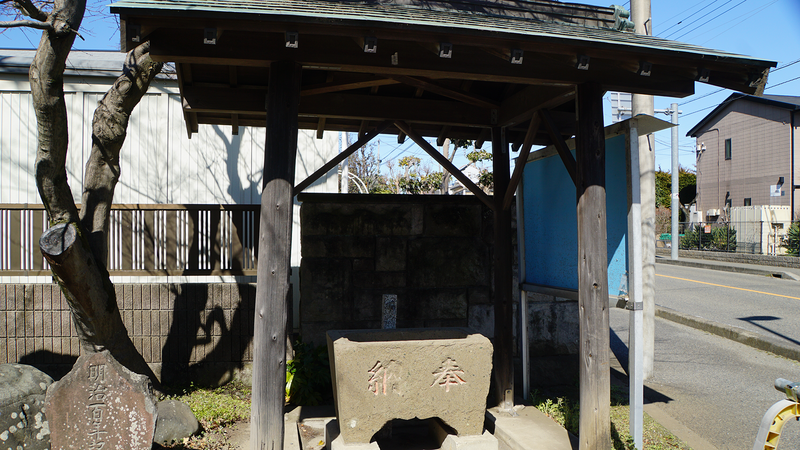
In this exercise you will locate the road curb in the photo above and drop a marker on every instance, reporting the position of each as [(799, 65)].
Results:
[(735, 269), (740, 335)]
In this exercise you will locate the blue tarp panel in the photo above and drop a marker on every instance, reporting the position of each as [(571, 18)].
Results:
[(551, 223)]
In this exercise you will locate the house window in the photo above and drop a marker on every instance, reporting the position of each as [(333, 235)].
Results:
[(727, 148), (747, 202)]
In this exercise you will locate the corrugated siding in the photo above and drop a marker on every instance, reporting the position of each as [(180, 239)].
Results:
[(17, 183), (159, 163)]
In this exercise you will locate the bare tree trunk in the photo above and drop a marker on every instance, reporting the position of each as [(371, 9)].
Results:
[(109, 129), (77, 258)]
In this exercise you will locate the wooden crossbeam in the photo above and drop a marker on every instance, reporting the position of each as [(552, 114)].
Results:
[(320, 127), (363, 140), (461, 96), (559, 143), (327, 88), (446, 164), (522, 159)]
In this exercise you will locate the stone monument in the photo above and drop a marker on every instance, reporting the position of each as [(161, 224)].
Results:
[(101, 405), (380, 375)]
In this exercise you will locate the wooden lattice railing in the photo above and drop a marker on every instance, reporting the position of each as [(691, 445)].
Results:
[(145, 240)]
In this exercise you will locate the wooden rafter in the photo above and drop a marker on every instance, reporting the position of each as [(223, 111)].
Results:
[(454, 94), (560, 144), (363, 140), (522, 159), (446, 164)]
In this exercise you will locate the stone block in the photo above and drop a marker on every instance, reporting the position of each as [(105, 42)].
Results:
[(452, 220), (335, 441), (380, 375), (338, 246), (435, 304), (448, 262), (100, 404), (22, 394), (449, 441), (384, 219), (553, 328), (390, 254), (481, 319)]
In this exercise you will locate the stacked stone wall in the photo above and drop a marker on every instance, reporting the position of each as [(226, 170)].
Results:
[(433, 252)]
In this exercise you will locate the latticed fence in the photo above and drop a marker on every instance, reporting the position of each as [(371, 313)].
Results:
[(167, 240), (758, 237)]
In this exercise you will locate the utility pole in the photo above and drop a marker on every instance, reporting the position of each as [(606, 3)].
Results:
[(676, 168), (643, 104)]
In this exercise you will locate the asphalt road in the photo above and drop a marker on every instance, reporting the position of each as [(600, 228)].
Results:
[(760, 304), (718, 389)]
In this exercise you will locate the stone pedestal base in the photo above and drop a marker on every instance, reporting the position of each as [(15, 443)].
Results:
[(380, 375)]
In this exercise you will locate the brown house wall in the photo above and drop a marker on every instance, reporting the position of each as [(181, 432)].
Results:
[(761, 141)]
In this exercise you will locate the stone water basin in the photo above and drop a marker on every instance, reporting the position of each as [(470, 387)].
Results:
[(380, 375)]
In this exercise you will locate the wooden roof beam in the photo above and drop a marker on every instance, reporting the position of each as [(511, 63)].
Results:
[(446, 164), (363, 140), (522, 159), (522, 106), (345, 86), (461, 96), (560, 144)]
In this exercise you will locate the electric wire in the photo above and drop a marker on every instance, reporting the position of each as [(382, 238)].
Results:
[(696, 20), (744, 17), (709, 20), (690, 15)]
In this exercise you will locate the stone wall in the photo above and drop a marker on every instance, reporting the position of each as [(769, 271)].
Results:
[(433, 252), (553, 339), (206, 329)]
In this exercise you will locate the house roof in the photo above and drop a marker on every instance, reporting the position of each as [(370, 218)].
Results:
[(789, 102), (453, 68), (79, 63)]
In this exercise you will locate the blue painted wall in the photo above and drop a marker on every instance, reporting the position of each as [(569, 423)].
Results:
[(551, 223)]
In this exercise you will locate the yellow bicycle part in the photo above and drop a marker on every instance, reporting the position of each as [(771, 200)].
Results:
[(769, 433)]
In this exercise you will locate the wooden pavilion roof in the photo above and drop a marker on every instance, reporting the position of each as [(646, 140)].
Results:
[(446, 68)]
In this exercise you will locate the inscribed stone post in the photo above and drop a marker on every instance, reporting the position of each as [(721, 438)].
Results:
[(101, 404)]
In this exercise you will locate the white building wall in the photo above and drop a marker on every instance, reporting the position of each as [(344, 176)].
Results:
[(159, 162)]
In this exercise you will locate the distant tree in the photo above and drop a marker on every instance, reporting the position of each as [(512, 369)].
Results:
[(687, 188), (364, 164), (486, 178)]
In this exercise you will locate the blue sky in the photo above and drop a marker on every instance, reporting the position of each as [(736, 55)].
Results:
[(764, 29)]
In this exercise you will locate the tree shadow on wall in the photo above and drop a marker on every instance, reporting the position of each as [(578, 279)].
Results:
[(207, 341)]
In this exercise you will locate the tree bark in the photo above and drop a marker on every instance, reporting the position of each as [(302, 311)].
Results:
[(79, 265), (109, 129), (91, 297)]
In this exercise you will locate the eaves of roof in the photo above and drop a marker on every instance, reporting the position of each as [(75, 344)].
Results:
[(392, 14), (79, 63), (786, 102)]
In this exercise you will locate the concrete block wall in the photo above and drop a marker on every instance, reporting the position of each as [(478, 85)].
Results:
[(205, 329), (433, 252)]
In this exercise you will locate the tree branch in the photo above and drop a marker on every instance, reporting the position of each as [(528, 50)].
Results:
[(29, 9), (109, 126), (28, 24)]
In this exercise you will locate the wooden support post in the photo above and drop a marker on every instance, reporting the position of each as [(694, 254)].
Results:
[(274, 258), (595, 390), (503, 315)]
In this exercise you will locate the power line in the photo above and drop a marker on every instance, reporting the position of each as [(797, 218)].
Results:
[(696, 20), (746, 16), (713, 18), (687, 17)]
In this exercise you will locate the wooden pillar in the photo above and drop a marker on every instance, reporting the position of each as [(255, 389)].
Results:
[(503, 315), (595, 391), (274, 258)]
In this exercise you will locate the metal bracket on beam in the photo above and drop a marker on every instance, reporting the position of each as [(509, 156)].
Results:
[(370, 44), (210, 36), (445, 50), (645, 68), (292, 39), (134, 32), (625, 303), (516, 56), (703, 75), (583, 62)]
